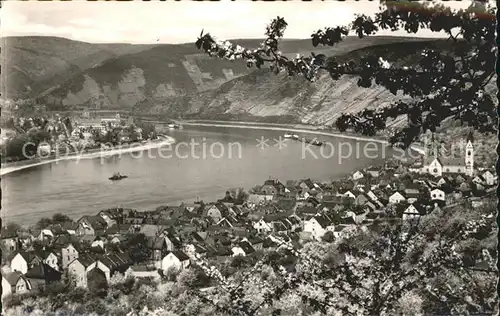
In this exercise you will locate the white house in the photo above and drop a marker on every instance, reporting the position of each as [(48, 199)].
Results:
[(52, 260), (45, 234), (98, 242), (106, 217), (302, 196), (344, 231), (78, 270), (261, 226), (238, 251), (490, 178), (372, 196), (415, 168), (436, 166), (19, 263), (9, 243), (68, 254), (101, 266), (442, 181), (349, 194), (411, 195), (214, 212), (105, 264), (318, 226), (6, 288), (175, 259), (479, 180), (14, 283), (193, 250), (410, 213), (438, 195), (477, 203), (357, 175), (374, 172), (396, 197)]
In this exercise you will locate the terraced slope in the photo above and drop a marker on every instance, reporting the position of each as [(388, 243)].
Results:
[(262, 94)]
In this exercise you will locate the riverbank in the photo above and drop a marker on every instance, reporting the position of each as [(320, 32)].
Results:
[(295, 128), (91, 154)]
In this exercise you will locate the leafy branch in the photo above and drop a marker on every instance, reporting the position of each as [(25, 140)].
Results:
[(442, 84)]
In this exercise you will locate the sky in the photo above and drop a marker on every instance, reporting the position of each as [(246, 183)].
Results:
[(178, 22)]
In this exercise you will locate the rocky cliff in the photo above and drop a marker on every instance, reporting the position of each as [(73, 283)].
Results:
[(262, 94), (178, 81)]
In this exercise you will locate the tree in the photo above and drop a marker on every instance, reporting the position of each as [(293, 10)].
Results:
[(68, 124), (449, 80), (59, 218), (15, 146), (137, 245), (97, 282), (256, 189), (37, 136), (171, 274), (43, 223), (239, 195), (329, 237), (193, 278), (27, 125), (239, 261), (11, 229), (148, 129), (375, 272), (445, 83), (10, 123)]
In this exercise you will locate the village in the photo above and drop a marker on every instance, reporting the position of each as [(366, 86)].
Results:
[(171, 238), (47, 136)]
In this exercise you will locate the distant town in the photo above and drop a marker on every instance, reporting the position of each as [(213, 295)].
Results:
[(47, 136), (169, 239)]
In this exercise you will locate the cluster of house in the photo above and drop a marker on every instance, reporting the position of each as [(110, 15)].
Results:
[(86, 127), (291, 211), (437, 165)]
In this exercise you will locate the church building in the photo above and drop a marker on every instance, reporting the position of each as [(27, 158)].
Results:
[(437, 166)]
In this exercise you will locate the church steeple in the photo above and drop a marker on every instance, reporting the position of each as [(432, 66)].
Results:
[(470, 136), (436, 146), (469, 154)]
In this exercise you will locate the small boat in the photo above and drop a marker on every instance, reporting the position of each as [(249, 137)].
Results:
[(314, 142), (317, 143), (117, 176)]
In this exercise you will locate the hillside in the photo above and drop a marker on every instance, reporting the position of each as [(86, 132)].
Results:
[(264, 96), (177, 80), (169, 79), (32, 64)]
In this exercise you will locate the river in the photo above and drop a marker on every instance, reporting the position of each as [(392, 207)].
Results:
[(203, 163)]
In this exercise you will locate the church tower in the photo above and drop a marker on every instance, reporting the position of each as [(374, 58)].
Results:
[(469, 155)]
